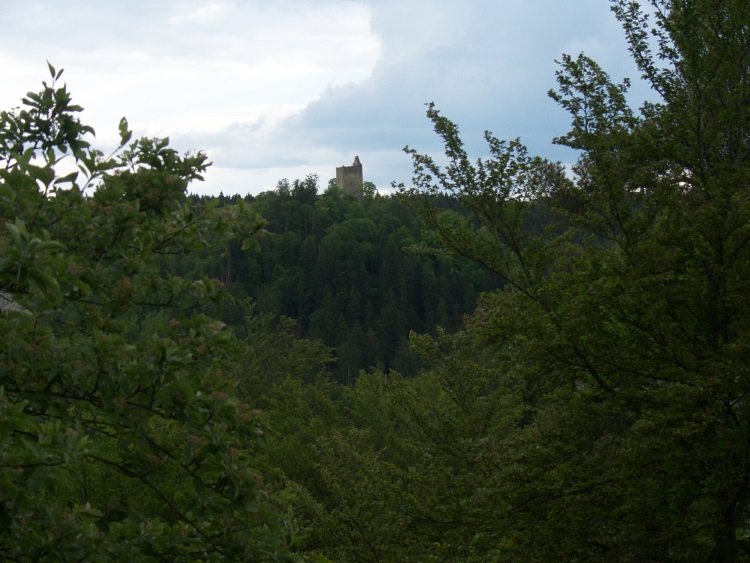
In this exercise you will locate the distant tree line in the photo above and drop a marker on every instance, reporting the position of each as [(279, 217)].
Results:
[(586, 398), (343, 271)]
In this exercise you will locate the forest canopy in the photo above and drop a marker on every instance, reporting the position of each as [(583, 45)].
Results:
[(583, 399), (120, 437)]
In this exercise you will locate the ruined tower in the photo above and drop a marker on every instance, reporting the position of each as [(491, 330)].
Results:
[(349, 178)]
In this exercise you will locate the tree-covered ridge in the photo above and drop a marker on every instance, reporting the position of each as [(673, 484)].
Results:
[(340, 268), (592, 407)]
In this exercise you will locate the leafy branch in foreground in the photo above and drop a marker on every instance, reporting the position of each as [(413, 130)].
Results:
[(621, 338), (119, 437)]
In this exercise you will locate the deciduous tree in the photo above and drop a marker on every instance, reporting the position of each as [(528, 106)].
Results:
[(117, 442), (623, 331)]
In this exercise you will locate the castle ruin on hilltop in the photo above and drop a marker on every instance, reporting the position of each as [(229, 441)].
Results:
[(349, 178)]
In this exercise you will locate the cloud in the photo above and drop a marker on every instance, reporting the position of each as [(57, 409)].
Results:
[(290, 87), (486, 64), (202, 14), (164, 63)]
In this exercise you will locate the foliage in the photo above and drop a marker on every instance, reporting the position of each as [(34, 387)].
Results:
[(596, 407), (119, 439), (270, 352), (337, 266)]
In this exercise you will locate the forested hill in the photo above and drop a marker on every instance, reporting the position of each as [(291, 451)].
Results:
[(594, 408), (339, 267)]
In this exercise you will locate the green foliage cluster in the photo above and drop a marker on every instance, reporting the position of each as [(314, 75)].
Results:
[(592, 408), (119, 439), (338, 267), (596, 407)]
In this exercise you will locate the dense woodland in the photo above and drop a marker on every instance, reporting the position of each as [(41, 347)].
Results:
[(505, 361), (342, 269)]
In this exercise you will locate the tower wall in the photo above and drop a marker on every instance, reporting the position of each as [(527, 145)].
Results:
[(350, 179)]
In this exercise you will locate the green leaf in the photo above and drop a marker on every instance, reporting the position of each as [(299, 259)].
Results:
[(49, 246), (72, 177), (42, 281), (125, 133), (15, 234)]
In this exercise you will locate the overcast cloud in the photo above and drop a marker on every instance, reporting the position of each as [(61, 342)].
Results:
[(284, 88)]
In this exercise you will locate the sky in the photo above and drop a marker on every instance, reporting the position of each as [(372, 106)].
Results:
[(274, 89)]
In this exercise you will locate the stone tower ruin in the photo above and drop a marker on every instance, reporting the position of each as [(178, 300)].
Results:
[(349, 178)]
